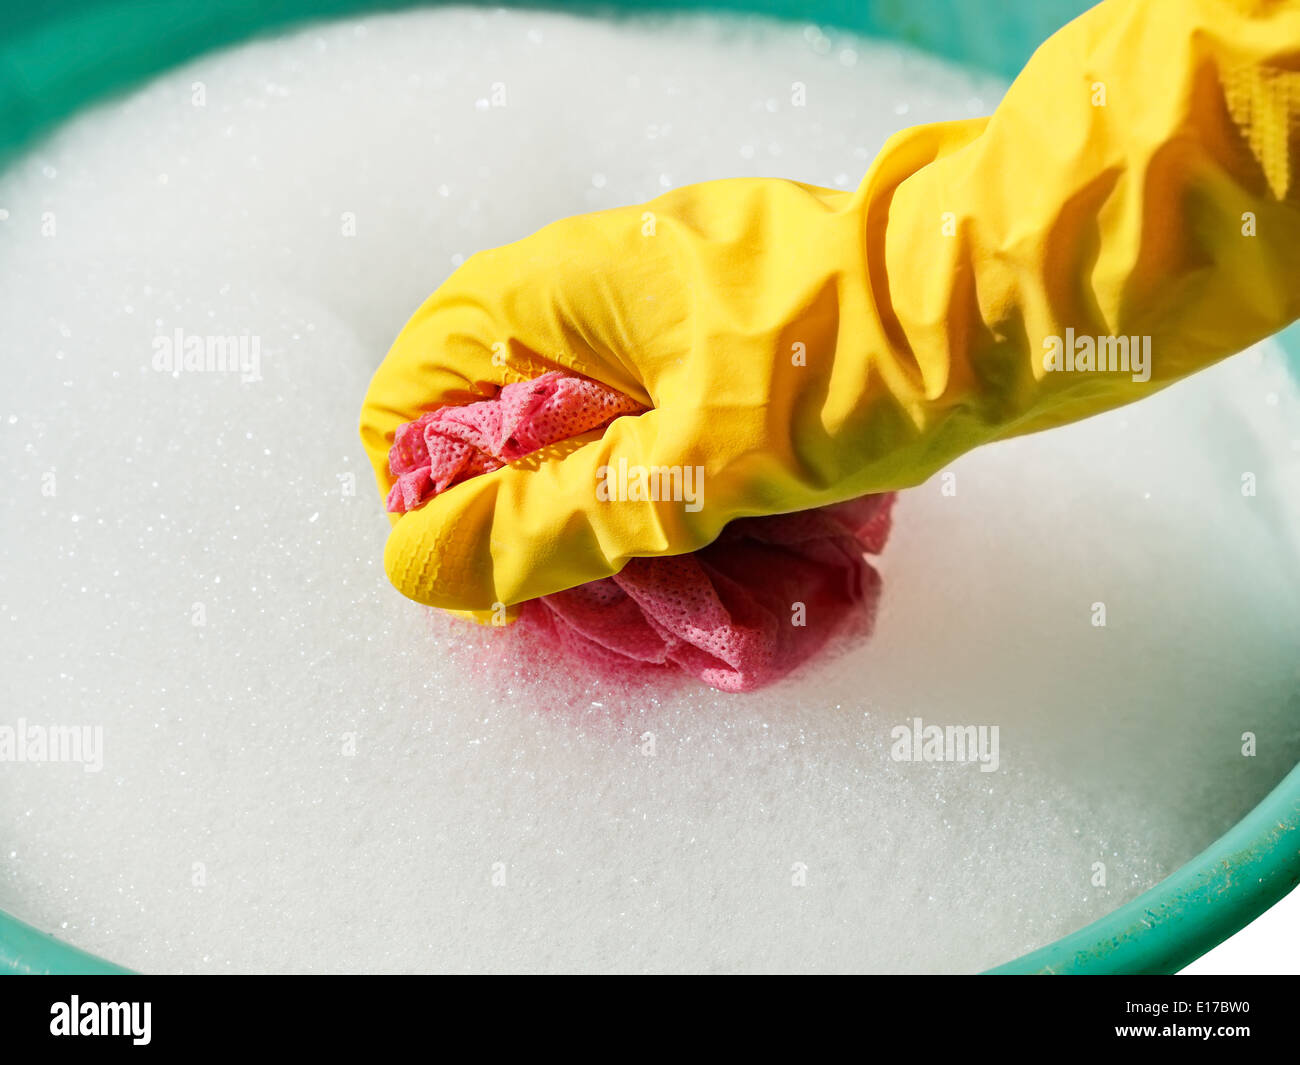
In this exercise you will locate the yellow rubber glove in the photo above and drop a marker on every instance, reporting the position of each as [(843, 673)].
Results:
[(802, 346)]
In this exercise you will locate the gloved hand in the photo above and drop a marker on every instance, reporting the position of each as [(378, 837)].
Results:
[(801, 346)]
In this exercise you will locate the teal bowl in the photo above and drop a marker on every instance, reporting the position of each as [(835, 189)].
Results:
[(59, 56)]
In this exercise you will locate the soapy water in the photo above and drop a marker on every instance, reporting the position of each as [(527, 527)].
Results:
[(300, 770)]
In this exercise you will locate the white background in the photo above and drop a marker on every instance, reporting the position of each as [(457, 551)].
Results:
[(1270, 944)]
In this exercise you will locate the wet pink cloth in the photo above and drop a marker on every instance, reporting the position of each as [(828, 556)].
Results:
[(738, 614), (452, 444)]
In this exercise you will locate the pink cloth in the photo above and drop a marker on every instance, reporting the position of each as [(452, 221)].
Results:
[(452, 444), (726, 614)]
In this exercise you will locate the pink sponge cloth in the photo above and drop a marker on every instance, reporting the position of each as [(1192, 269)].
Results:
[(452, 444), (738, 614)]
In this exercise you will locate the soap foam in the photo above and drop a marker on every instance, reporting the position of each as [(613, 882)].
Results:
[(298, 777)]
